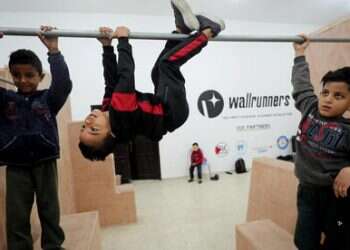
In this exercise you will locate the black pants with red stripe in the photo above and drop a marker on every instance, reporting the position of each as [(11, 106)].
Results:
[(168, 80)]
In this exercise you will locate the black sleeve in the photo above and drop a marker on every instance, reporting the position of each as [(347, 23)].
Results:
[(61, 84), (126, 67), (110, 73), (124, 97), (303, 91)]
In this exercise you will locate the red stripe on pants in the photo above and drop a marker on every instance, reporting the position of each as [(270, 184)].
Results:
[(189, 48)]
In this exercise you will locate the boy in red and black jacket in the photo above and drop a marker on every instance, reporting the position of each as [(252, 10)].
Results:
[(127, 112), (196, 162)]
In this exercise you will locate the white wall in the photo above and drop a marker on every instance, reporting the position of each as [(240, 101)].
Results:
[(232, 69)]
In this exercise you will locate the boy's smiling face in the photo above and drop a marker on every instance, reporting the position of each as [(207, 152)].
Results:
[(334, 99), (26, 77), (95, 128)]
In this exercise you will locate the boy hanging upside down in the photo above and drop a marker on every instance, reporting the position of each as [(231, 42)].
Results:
[(125, 111)]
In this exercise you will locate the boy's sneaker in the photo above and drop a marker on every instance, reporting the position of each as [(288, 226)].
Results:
[(215, 24), (190, 180), (199, 181), (185, 20)]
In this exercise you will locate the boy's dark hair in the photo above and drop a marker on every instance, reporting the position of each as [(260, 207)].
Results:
[(339, 75), (100, 153), (25, 56), (195, 144)]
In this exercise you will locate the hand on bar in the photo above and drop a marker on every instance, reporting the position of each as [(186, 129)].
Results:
[(51, 42)]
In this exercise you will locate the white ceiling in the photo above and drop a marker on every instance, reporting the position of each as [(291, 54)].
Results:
[(280, 11)]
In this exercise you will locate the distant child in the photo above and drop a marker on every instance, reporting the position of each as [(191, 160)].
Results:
[(197, 159)]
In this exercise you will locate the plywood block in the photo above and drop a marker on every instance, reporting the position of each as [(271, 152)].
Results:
[(273, 192), (263, 235)]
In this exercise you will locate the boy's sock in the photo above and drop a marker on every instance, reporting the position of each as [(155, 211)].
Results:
[(185, 20), (215, 24)]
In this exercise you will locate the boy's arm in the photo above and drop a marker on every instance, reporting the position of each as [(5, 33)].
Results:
[(124, 95), (2, 97), (110, 74), (109, 61), (126, 65), (61, 84), (342, 183), (201, 158), (191, 158), (2, 90), (303, 92)]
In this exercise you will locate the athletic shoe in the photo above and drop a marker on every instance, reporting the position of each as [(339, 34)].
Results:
[(215, 24), (185, 20)]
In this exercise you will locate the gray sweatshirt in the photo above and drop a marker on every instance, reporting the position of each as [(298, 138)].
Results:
[(323, 144)]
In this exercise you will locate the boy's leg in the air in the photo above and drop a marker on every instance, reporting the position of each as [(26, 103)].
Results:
[(171, 83)]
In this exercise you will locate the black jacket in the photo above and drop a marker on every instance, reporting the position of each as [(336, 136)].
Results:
[(131, 112)]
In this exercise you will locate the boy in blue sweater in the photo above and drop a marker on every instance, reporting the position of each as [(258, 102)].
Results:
[(29, 145)]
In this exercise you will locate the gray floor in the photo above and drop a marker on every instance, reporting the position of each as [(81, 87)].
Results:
[(176, 215)]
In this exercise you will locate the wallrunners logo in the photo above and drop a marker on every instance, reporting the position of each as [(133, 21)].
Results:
[(210, 103), (253, 101)]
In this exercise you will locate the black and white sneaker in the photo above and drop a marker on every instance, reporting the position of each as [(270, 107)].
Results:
[(215, 24), (185, 20)]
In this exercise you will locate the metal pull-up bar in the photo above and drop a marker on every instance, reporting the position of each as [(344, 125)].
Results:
[(13, 31)]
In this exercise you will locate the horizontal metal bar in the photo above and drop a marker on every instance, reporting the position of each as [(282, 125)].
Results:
[(14, 31)]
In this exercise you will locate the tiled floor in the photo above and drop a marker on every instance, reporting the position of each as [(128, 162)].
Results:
[(176, 215)]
